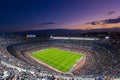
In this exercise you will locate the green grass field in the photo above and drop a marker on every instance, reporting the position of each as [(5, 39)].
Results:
[(62, 60)]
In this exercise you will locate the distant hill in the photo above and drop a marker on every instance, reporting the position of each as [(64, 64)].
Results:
[(104, 30), (64, 31), (51, 31)]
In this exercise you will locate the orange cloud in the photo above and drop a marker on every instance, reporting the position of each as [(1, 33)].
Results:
[(84, 27), (107, 23)]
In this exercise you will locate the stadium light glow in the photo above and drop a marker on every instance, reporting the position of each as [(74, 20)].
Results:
[(60, 37), (107, 37), (74, 38)]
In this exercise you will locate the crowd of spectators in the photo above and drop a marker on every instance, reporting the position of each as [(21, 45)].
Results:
[(101, 59), (12, 68)]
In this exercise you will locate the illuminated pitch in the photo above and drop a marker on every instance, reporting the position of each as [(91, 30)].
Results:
[(61, 60)]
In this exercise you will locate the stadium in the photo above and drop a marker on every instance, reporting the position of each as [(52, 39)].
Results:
[(58, 58), (59, 39)]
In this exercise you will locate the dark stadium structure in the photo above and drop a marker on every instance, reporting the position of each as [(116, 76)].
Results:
[(102, 57)]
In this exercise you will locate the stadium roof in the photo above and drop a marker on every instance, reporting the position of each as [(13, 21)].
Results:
[(75, 38)]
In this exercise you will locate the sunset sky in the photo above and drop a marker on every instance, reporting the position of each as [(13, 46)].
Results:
[(21, 15)]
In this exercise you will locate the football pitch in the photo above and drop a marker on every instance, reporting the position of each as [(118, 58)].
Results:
[(59, 59)]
